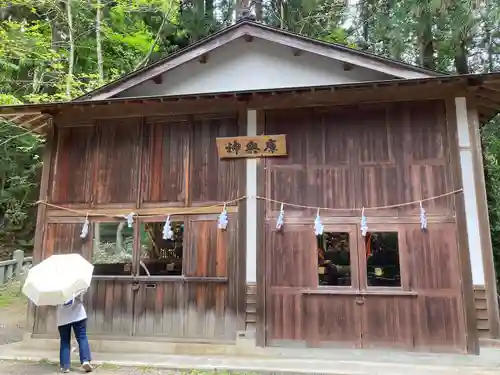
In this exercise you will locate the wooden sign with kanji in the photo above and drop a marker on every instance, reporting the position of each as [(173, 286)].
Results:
[(251, 147)]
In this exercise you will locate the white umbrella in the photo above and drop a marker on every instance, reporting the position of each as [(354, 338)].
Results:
[(58, 279)]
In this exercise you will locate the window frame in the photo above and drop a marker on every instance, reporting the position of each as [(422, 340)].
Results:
[(403, 258), (90, 236), (186, 218), (353, 253), (137, 245)]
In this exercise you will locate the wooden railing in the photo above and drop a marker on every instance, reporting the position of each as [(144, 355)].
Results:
[(14, 268)]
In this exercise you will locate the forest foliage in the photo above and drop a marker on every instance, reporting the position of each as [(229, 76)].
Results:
[(52, 50)]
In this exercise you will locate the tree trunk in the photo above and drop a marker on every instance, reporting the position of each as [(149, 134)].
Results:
[(97, 234), (425, 38), (145, 60), (119, 237), (282, 14), (209, 9), (365, 15), (386, 7), (71, 56), (100, 64), (461, 61), (55, 34), (489, 43), (258, 10)]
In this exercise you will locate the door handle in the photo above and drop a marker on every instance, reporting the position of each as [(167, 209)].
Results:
[(150, 286), (360, 301)]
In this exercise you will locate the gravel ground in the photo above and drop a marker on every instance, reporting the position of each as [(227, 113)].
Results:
[(45, 368)]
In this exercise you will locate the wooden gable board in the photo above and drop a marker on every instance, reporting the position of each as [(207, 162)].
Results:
[(333, 51)]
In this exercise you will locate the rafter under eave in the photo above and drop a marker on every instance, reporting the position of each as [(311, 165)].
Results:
[(36, 122)]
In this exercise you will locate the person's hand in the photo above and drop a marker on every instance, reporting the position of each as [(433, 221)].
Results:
[(70, 302)]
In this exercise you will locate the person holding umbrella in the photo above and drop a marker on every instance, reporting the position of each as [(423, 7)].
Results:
[(72, 315), (60, 280)]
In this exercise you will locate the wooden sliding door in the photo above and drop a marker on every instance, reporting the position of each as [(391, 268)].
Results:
[(378, 290)]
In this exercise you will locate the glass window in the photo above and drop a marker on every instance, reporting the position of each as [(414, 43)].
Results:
[(112, 248), (161, 257), (334, 259), (382, 259)]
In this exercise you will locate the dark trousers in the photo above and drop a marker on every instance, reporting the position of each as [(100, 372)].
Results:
[(80, 330)]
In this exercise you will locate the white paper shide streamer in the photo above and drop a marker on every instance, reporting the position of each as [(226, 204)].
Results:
[(130, 219), (423, 217), (167, 229), (281, 219), (364, 223), (223, 219), (85, 227), (222, 223), (318, 226)]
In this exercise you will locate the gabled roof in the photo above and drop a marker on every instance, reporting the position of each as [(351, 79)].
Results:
[(250, 29), (483, 88)]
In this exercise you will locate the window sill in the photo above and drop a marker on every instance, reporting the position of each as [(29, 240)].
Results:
[(162, 279), (354, 292)]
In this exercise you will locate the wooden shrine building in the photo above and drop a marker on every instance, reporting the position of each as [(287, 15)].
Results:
[(248, 118)]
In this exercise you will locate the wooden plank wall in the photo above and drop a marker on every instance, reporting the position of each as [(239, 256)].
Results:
[(195, 309), (364, 156), (153, 163), (367, 155)]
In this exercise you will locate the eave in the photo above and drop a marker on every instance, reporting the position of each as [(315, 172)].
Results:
[(484, 89)]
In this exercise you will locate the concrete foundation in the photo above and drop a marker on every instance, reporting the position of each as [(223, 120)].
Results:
[(244, 356)]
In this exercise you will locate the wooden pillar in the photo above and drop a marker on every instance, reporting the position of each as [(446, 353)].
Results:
[(254, 234), (455, 123), (41, 219), (260, 242), (251, 206), (242, 231), (250, 226), (476, 208), (470, 192), (486, 249)]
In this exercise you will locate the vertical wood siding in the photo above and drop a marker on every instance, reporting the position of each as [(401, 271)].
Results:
[(430, 318), (201, 310), (179, 164), (212, 179), (373, 155), (165, 159), (435, 276), (206, 252), (72, 165), (352, 157), (109, 305), (290, 268), (117, 161)]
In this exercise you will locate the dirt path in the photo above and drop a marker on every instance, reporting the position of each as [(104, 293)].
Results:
[(12, 315), (42, 368)]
